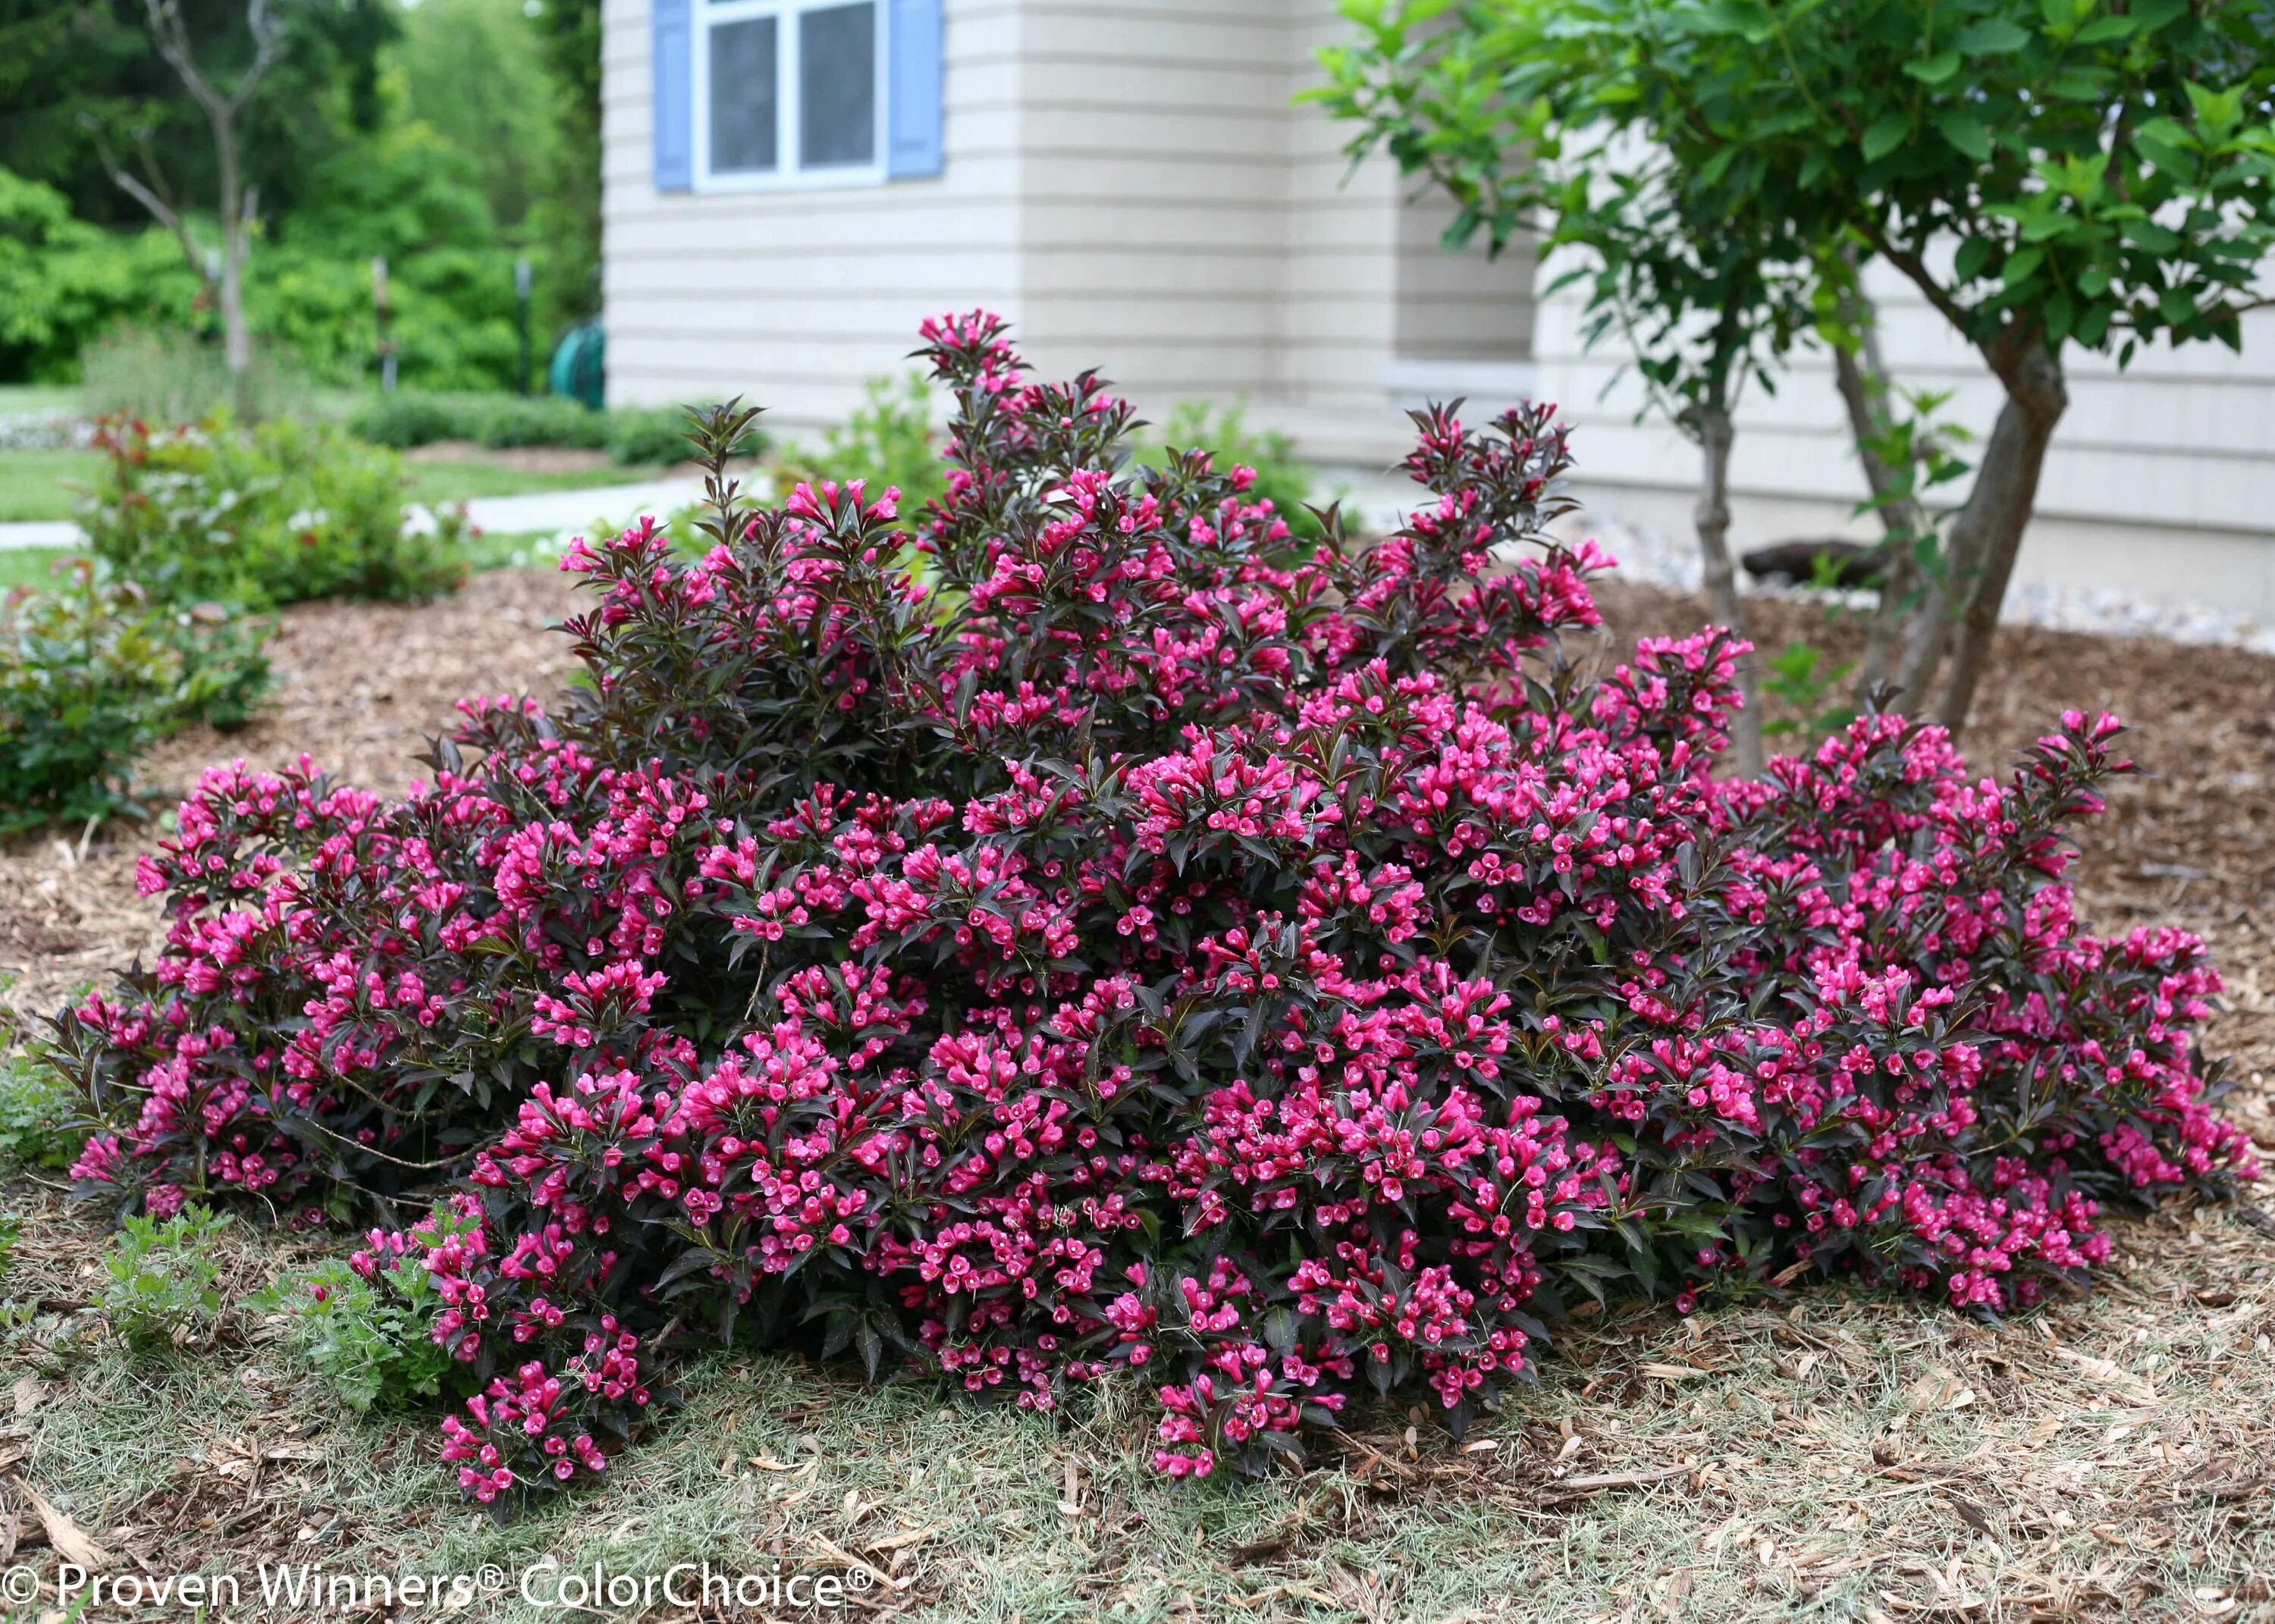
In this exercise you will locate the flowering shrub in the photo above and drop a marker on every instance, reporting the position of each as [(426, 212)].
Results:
[(273, 515), (1134, 942)]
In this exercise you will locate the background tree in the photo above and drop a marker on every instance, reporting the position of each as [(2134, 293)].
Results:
[(61, 64), (1525, 124), (571, 33), (2047, 173), (222, 98)]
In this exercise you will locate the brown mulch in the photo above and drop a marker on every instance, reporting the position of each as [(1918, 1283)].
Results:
[(360, 687)]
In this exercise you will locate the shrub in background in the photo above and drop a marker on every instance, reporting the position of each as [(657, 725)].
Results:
[(63, 283), (1278, 971), (1283, 478), (273, 515), (888, 440), (631, 435), (169, 376), (91, 673)]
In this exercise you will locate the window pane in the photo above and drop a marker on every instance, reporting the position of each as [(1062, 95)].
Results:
[(742, 96), (837, 85)]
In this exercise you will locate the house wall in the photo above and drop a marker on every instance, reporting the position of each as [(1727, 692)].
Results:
[(792, 298), (1127, 180), (2157, 482)]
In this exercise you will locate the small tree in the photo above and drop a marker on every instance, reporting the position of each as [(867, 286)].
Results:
[(2048, 173), (237, 201), (1529, 121)]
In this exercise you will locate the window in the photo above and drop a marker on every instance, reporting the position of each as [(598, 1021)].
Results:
[(789, 92)]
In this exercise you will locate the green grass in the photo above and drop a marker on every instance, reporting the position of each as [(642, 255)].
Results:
[(28, 566), (24, 400), (36, 484), (432, 482)]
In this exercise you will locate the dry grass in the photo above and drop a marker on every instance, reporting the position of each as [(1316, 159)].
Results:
[(1837, 1456)]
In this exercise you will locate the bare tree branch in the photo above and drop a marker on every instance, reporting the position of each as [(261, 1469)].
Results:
[(157, 196)]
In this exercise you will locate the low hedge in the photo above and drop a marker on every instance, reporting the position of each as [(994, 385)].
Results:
[(264, 517), (632, 435)]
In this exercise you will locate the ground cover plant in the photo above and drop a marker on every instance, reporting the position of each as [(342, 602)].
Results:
[(1139, 943)]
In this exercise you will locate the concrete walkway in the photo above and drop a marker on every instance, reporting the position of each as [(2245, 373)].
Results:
[(561, 513)]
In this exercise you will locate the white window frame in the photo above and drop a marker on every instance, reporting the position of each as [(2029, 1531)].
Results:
[(789, 173)]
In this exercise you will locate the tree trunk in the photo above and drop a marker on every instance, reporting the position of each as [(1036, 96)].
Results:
[(1863, 389), (1714, 430), (1989, 528), (237, 343)]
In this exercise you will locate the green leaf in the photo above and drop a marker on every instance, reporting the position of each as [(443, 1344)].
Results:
[(1991, 37), (2107, 28), (1973, 254), (1936, 69), (1966, 132), (2021, 266), (1886, 135)]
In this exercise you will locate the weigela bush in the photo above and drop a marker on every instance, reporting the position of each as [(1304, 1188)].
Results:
[(1074, 930)]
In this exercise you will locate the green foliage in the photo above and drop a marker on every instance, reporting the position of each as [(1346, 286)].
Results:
[(632, 436), (472, 71), (164, 1279), (1537, 114), (62, 64), (411, 418), (268, 516), (2083, 172), (91, 673), (41, 1124), (12, 1230), (1288, 481), (63, 282), (890, 440), (166, 375), (1800, 678), (370, 1338), (649, 435)]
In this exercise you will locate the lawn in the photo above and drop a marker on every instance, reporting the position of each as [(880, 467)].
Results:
[(431, 482), (28, 566), (1833, 1454), (38, 485)]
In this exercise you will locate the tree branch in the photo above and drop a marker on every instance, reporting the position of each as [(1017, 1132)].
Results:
[(151, 197)]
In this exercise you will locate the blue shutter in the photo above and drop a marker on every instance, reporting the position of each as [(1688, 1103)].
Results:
[(913, 72), (673, 107)]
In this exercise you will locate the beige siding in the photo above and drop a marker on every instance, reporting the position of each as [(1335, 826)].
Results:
[(791, 299), (1128, 180), (2157, 481)]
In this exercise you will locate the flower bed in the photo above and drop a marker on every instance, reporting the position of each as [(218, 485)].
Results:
[(1132, 941)]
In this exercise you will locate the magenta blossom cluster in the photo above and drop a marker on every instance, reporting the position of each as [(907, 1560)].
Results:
[(1076, 930)]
